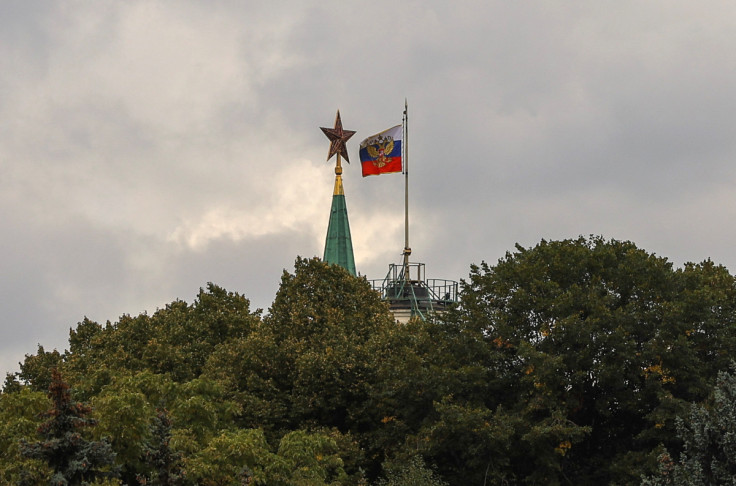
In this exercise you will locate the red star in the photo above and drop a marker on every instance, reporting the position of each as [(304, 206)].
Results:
[(338, 137)]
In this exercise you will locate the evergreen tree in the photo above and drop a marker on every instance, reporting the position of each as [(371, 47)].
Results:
[(165, 463), (73, 459)]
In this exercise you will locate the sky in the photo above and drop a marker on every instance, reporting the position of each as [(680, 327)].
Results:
[(150, 147)]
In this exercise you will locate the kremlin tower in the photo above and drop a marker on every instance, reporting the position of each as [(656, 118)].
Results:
[(405, 287)]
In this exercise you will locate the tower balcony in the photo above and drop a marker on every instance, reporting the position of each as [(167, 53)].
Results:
[(409, 293)]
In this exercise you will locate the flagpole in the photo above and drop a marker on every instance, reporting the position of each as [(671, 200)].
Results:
[(407, 249)]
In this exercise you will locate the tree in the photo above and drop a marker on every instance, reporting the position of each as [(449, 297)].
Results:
[(19, 419), (176, 340), (122, 418), (312, 359), (244, 457), (126, 408), (437, 394), (308, 459), (73, 459), (567, 362), (230, 457), (164, 463), (325, 322), (466, 444), (203, 409), (35, 370), (414, 472), (708, 435), (596, 346)]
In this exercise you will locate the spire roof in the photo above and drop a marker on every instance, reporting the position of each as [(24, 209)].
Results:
[(339, 244)]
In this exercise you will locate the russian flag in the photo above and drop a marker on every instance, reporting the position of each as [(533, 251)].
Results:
[(381, 153)]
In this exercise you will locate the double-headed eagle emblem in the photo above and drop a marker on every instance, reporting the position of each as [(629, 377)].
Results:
[(379, 149)]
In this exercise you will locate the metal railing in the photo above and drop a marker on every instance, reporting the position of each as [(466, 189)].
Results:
[(406, 288)]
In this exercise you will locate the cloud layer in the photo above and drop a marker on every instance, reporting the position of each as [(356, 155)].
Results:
[(147, 148)]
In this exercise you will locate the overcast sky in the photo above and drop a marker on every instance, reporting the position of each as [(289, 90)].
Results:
[(150, 147)]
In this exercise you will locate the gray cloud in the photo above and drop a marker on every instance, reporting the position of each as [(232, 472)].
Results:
[(147, 148)]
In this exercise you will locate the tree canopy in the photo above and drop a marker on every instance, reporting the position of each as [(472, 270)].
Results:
[(570, 362)]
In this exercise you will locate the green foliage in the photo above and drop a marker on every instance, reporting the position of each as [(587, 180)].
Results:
[(309, 459), (73, 459), (467, 443), (176, 340), (596, 346), (302, 459), (313, 358), (324, 322), (411, 473), (127, 406), (708, 454), (11, 385), (123, 418), (231, 457), (566, 363), (202, 408), (36, 368), (19, 418), (164, 464)]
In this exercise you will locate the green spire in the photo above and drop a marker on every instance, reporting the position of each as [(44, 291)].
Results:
[(339, 245)]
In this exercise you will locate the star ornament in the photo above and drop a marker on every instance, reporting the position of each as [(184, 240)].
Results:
[(338, 137)]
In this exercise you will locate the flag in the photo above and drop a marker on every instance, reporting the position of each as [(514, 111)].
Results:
[(381, 153)]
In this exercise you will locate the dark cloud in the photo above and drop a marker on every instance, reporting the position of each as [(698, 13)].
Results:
[(148, 148)]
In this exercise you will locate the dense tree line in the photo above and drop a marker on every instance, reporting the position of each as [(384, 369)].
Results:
[(573, 362)]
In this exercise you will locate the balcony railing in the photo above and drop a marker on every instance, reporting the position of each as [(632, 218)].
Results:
[(406, 288)]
